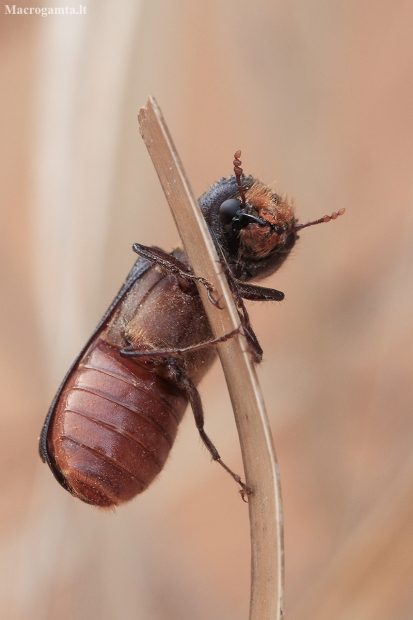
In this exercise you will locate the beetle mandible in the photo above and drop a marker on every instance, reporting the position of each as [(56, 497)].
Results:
[(115, 416)]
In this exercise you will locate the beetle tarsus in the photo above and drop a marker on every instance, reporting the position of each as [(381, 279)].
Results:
[(245, 490)]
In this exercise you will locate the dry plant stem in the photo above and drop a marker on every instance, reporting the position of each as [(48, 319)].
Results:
[(255, 437)]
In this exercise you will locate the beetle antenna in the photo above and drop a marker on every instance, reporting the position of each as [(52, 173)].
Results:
[(322, 220), (238, 171)]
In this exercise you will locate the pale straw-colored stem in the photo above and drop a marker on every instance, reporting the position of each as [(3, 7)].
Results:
[(260, 465)]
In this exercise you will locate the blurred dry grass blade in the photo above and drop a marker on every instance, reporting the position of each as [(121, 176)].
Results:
[(261, 474), (356, 583)]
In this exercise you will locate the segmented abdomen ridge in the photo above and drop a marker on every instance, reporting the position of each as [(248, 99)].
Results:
[(113, 427)]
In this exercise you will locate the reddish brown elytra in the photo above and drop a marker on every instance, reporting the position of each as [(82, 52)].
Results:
[(115, 417)]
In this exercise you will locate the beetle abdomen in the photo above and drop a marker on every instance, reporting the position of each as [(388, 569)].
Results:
[(113, 427)]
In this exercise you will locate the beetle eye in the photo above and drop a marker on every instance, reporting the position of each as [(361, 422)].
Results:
[(228, 209)]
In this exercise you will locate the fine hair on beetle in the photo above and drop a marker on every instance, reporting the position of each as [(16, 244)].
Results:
[(113, 421)]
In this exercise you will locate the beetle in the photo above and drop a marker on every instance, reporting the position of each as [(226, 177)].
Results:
[(113, 421)]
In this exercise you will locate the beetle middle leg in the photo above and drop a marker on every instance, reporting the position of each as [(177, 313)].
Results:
[(133, 352), (196, 404)]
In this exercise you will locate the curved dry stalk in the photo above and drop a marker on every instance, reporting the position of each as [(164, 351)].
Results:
[(260, 465)]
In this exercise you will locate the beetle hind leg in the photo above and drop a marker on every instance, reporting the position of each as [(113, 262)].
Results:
[(196, 404)]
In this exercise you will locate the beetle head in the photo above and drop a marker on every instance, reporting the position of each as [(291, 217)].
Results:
[(254, 227)]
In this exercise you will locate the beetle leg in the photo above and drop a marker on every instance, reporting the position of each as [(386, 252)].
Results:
[(238, 289), (255, 347), (196, 404), (252, 339), (258, 293), (173, 265), (130, 352)]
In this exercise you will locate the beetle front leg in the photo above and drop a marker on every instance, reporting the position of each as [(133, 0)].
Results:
[(174, 266), (258, 293)]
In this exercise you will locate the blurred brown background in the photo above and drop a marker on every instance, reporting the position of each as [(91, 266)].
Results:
[(318, 95)]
